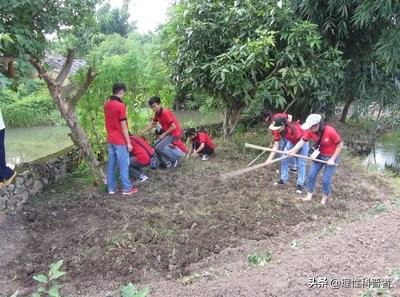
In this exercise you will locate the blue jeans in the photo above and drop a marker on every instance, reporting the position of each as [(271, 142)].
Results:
[(178, 154), (300, 162), (118, 155), (135, 168), (5, 171), (285, 146), (163, 150), (326, 178)]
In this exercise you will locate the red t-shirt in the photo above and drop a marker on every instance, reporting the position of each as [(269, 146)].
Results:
[(329, 142), (179, 143), (289, 134), (114, 114), (203, 137), (166, 118), (139, 150)]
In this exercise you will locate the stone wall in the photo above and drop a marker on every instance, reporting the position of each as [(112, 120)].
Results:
[(33, 177)]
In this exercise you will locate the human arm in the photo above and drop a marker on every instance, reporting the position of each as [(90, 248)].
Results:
[(338, 149), (296, 148), (190, 151), (272, 154), (171, 128), (125, 132), (149, 127), (289, 118)]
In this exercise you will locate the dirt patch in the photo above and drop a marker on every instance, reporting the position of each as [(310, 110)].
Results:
[(179, 223)]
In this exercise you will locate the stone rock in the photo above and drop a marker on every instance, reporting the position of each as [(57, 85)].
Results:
[(37, 187)]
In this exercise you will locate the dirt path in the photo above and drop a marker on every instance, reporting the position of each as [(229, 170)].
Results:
[(356, 258), (188, 234)]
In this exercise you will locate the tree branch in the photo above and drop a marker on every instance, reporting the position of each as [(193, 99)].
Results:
[(66, 67), (90, 76), (43, 72)]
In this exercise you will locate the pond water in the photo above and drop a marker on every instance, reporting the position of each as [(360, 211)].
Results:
[(386, 151), (31, 143)]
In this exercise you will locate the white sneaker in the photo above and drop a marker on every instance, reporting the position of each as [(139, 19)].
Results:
[(143, 178), (205, 157)]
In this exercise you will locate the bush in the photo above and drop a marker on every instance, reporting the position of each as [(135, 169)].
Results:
[(34, 109)]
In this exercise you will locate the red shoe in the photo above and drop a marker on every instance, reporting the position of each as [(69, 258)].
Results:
[(133, 190)]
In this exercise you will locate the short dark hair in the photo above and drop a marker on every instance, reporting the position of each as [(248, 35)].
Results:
[(118, 87), (190, 132), (154, 99), (266, 113)]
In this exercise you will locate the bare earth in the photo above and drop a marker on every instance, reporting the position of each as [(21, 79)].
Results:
[(186, 233)]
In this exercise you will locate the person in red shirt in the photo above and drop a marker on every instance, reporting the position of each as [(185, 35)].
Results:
[(290, 134), (140, 157), (201, 144), (118, 142), (267, 117), (329, 144), (171, 131)]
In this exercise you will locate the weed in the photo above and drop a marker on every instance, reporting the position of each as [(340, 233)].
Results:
[(329, 229), (259, 260), (130, 291), (188, 280), (294, 244), (378, 209)]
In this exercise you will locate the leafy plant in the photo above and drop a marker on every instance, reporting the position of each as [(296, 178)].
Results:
[(49, 285), (378, 209), (130, 291), (260, 259)]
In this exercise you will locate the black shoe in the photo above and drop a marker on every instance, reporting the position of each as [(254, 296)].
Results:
[(173, 164), (299, 189), (279, 182), (293, 169)]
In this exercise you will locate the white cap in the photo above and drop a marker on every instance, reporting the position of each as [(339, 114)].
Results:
[(311, 120)]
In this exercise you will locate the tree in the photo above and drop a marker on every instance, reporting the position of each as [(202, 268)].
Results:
[(241, 52), (27, 24), (368, 33)]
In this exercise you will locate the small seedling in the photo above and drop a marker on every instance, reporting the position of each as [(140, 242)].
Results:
[(259, 260), (130, 291), (49, 286)]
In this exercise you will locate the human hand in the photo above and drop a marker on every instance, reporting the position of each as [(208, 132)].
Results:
[(194, 154), (289, 153), (331, 162), (161, 137), (129, 147)]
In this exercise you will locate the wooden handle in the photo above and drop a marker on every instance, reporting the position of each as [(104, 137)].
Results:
[(257, 147), (245, 170)]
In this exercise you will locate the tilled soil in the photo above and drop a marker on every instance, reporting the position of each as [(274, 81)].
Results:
[(187, 233)]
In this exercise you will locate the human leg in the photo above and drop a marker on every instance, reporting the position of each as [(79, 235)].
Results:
[(135, 168), (112, 163), (123, 164), (327, 180), (312, 176), (162, 148), (302, 165), (5, 172)]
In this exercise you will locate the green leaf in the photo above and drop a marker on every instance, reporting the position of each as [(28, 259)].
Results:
[(41, 278), (142, 293), (53, 292), (57, 274)]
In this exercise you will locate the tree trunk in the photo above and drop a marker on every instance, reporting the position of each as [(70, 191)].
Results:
[(10, 69), (67, 106), (231, 119), (345, 110)]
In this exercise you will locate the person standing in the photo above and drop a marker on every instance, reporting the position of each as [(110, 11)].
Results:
[(171, 131), (118, 142), (140, 157), (291, 134), (329, 145), (201, 144), (7, 175)]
